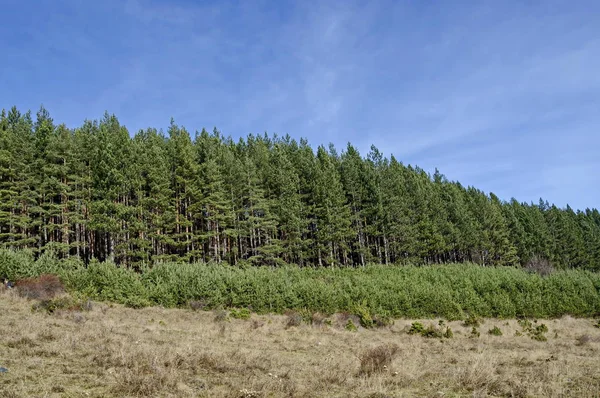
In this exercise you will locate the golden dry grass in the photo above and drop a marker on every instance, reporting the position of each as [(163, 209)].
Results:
[(113, 351)]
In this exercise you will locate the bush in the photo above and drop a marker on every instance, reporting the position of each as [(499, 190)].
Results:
[(350, 326), (495, 331), (243, 313), (377, 359), (431, 331), (535, 332), (416, 328), (448, 333), (475, 333), (473, 320), (363, 313), (63, 303)]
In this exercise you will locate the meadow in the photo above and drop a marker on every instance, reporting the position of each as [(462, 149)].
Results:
[(96, 350), (209, 330)]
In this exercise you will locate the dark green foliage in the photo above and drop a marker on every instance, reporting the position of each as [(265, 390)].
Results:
[(97, 192), (475, 333)]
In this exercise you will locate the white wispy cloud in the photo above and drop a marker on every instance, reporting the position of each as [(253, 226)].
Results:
[(500, 95)]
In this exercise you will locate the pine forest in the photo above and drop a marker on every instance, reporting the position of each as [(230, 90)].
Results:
[(100, 192)]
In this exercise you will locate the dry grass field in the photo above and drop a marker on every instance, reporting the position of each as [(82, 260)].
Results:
[(112, 351)]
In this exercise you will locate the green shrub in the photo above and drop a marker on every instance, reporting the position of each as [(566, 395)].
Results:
[(363, 313), (350, 326), (448, 333), (243, 313), (475, 332), (416, 328), (383, 293), (63, 303), (495, 331), (537, 332), (432, 332), (473, 320)]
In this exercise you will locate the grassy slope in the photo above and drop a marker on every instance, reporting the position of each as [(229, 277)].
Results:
[(112, 351)]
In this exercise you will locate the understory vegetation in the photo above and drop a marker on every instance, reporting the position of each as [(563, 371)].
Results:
[(373, 293)]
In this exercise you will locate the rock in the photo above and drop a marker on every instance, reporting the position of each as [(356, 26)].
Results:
[(3, 370)]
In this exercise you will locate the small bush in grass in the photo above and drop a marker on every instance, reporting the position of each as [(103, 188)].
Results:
[(416, 328), (350, 326), (44, 287), (597, 324), (473, 320), (525, 324), (58, 304), (243, 313), (432, 332), (539, 333), (377, 359), (448, 333), (535, 332), (363, 313), (495, 331), (475, 333), (306, 315)]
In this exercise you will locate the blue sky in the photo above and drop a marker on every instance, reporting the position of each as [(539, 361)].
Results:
[(501, 95)]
